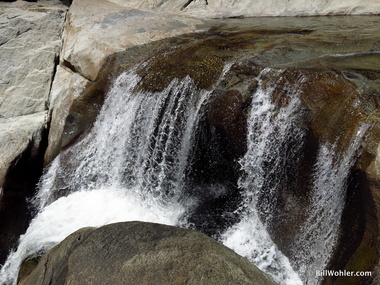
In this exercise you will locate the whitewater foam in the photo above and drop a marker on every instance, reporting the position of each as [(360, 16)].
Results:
[(270, 127)]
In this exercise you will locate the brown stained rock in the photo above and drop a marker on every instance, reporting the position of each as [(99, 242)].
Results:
[(83, 111), (143, 253), (335, 105), (66, 86), (26, 269), (330, 98), (199, 62), (357, 246), (336, 99), (226, 111), (338, 106), (74, 109)]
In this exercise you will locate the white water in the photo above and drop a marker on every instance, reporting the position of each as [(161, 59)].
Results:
[(270, 128), (319, 233), (78, 210), (131, 166), (140, 141)]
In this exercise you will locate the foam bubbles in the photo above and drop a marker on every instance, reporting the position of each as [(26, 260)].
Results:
[(83, 209)]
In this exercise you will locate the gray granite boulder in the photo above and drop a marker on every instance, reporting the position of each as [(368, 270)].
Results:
[(143, 253), (30, 42)]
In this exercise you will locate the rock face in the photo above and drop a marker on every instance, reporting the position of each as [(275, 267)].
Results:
[(143, 253), (108, 28), (30, 40), (29, 45), (248, 8), (101, 39), (21, 161), (338, 92), (93, 33)]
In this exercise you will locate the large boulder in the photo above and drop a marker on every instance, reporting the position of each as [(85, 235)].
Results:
[(89, 43), (30, 41), (338, 93), (95, 30), (249, 8), (143, 253)]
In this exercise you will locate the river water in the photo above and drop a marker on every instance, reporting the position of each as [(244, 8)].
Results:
[(135, 162)]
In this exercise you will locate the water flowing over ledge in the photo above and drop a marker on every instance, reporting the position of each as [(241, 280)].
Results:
[(135, 162), (333, 62), (319, 234), (270, 130)]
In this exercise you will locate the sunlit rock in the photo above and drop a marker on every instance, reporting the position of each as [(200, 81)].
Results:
[(247, 8), (30, 41), (143, 253), (94, 31)]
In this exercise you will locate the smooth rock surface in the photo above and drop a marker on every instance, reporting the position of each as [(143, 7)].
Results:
[(66, 87), (95, 30), (30, 39), (143, 253), (248, 8), (15, 135)]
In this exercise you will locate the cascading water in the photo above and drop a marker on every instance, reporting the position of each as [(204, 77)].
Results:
[(151, 138), (318, 235), (275, 136), (134, 162), (270, 129), (131, 166)]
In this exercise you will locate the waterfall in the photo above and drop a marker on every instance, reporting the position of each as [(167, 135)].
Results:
[(139, 141), (318, 235), (275, 135), (131, 166), (134, 163), (271, 127)]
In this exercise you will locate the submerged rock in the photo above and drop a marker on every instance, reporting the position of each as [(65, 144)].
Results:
[(143, 253)]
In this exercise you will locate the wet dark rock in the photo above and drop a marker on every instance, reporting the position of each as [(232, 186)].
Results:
[(198, 62), (359, 231), (226, 111), (19, 185), (30, 36)]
